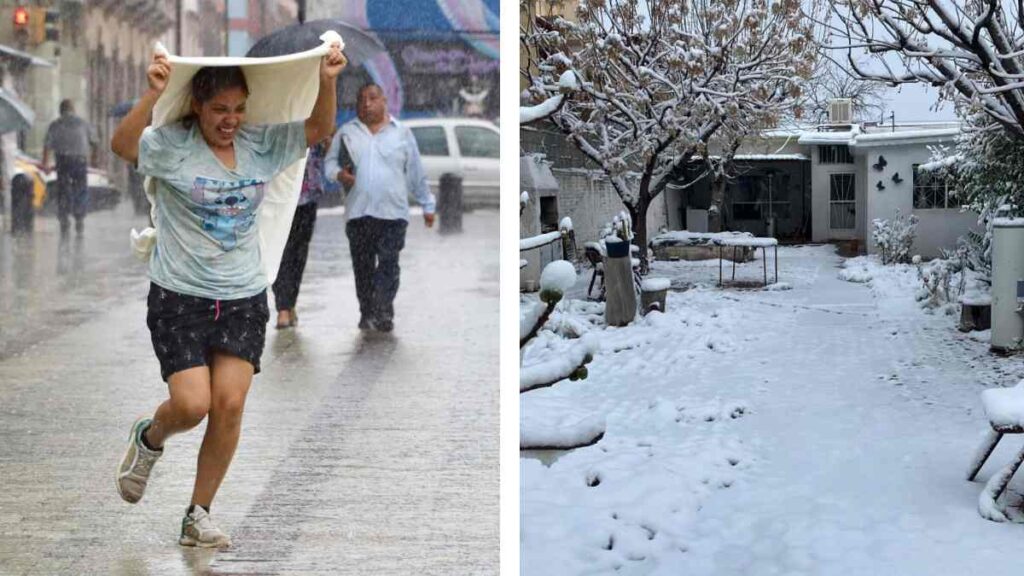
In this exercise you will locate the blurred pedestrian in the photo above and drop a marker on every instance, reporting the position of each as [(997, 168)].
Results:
[(293, 262), (377, 161), (73, 142), (207, 307)]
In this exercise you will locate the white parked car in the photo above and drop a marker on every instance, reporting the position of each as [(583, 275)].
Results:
[(467, 147)]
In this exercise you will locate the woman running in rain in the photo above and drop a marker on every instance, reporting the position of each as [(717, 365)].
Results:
[(207, 301)]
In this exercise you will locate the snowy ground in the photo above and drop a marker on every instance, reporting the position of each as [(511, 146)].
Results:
[(824, 428)]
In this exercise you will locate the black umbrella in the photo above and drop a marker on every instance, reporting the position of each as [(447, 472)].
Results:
[(359, 45)]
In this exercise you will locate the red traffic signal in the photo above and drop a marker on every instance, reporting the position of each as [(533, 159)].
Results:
[(20, 17)]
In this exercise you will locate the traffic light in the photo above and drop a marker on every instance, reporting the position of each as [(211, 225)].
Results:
[(52, 25), (21, 18), (35, 25)]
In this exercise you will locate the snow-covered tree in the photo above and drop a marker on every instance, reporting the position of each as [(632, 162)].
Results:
[(657, 79), (831, 81), (973, 50)]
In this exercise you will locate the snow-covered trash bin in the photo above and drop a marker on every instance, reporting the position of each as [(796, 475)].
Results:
[(975, 312), (620, 297), (653, 294), (1004, 408)]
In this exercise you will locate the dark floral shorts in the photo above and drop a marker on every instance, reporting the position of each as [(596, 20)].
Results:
[(186, 329)]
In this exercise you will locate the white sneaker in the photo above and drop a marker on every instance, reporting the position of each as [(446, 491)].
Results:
[(133, 473), (197, 529)]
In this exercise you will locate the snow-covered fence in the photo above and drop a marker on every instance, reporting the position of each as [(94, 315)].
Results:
[(564, 238)]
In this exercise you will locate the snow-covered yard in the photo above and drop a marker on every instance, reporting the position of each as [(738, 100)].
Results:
[(822, 428)]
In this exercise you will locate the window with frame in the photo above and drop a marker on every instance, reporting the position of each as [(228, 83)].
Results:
[(476, 142), (930, 189), (835, 154), (432, 141)]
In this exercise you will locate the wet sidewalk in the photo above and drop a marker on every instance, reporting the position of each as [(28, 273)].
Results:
[(360, 453)]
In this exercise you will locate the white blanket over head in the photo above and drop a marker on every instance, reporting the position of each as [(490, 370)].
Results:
[(281, 89)]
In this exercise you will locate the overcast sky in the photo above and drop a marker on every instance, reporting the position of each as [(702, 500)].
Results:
[(917, 102)]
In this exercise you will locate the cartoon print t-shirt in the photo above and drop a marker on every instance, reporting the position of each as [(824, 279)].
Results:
[(207, 243)]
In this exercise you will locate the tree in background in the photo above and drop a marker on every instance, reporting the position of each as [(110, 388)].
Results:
[(829, 82), (658, 79), (971, 50)]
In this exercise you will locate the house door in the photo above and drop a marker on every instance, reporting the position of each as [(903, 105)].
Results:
[(842, 202)]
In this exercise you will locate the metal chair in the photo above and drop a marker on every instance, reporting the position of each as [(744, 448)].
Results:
[(594, 255)]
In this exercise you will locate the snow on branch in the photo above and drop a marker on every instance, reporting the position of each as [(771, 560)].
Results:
[(971, 51), (571, 365)]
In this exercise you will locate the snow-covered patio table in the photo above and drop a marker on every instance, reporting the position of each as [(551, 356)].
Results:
[(747, 242)]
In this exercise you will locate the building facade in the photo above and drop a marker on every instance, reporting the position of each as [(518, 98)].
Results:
[(829, 183)]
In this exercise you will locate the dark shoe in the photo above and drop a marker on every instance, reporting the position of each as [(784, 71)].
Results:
[(365, 323), (384, 325)]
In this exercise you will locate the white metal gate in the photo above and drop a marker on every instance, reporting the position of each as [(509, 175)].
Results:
[(842, 202)]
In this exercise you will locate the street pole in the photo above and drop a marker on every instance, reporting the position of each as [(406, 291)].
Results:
[(302, 11), (227, 26), (177, 28)]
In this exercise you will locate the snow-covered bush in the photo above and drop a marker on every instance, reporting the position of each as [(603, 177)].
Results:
[(936, 278), (621, 227), (894, 238), (977, 252)]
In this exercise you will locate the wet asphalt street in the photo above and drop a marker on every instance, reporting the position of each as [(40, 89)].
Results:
[(360, 453)]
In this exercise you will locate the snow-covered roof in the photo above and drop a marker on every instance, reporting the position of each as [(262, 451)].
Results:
[(768, 157), (535, 174), (899, 137), (872, 136), (840, 137), (756, 157)]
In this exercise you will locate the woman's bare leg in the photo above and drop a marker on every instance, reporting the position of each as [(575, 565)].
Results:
[(185, 409), (230, 378)]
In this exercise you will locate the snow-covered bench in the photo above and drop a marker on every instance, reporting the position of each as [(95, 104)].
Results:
[(747, 242), (1004, 408)]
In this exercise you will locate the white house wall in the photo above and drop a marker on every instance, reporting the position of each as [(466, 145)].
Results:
[(937, 228)]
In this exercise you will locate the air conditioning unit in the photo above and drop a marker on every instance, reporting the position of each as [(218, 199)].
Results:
[(840, 111)]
